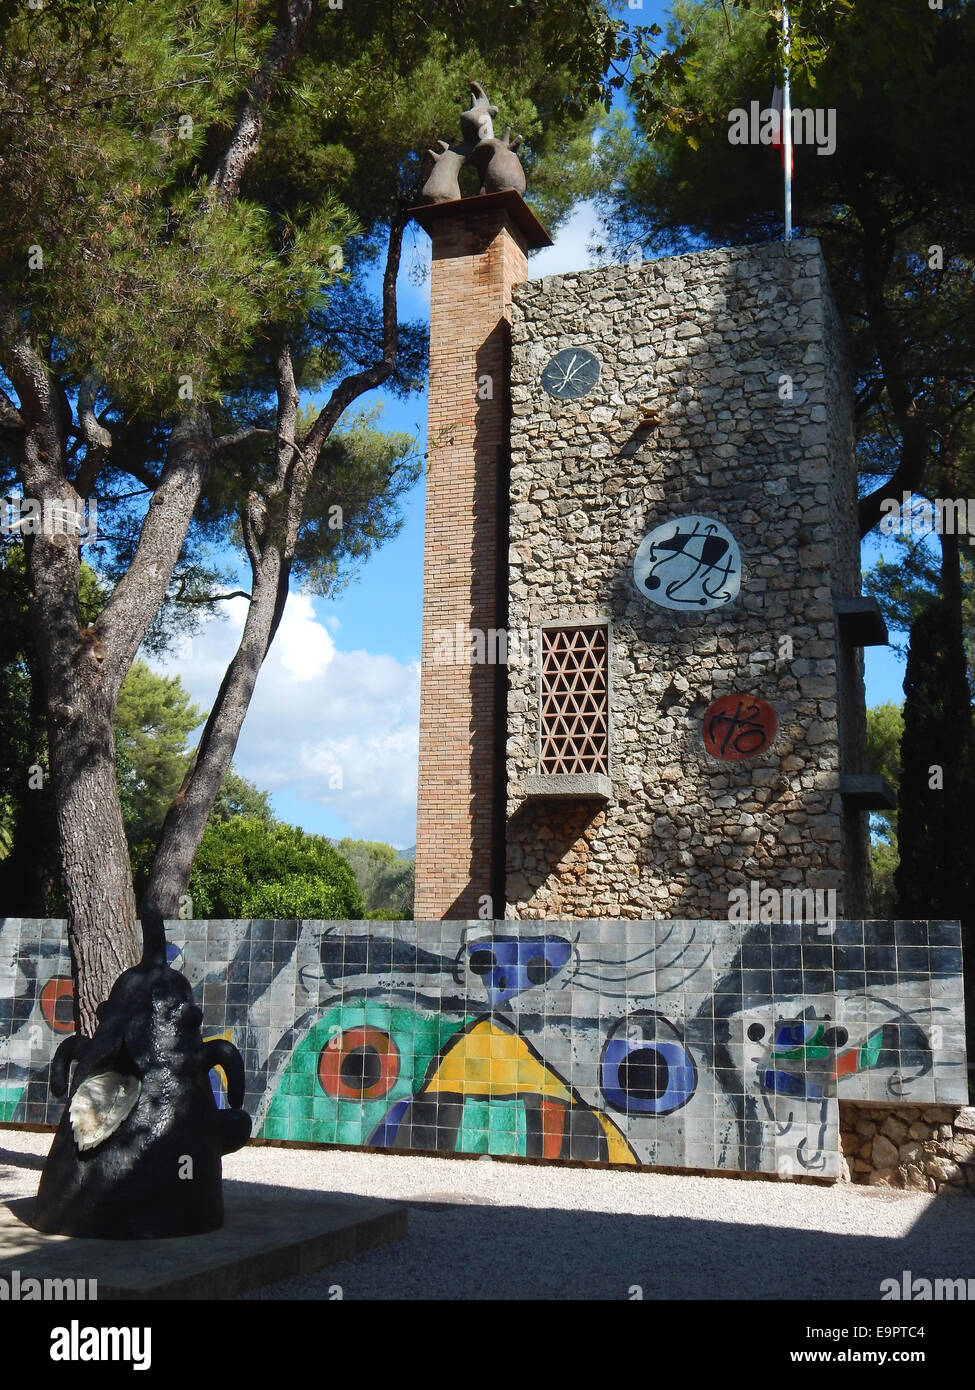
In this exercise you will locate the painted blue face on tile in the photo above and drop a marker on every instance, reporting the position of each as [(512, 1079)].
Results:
[(507, 965)]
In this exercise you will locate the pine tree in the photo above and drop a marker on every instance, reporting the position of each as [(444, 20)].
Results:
[(196, 192), (936, 818)]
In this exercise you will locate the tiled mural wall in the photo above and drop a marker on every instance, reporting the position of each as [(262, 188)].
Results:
[(674, 1043)]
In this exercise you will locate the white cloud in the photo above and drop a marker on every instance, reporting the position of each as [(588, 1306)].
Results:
[(317, 709), (569, 252), (306, 647), (571, 249)]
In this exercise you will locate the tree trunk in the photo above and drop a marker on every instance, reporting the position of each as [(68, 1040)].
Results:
[(83, 669), (270, 528), (97, 875), (187, 817), (30, 878), (951, 586), (80, 701), (79, 706)]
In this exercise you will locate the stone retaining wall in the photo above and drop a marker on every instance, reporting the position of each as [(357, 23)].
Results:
[(928, 1148)]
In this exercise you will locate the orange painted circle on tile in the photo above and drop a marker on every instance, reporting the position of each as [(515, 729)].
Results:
[(58, 989), (736, 727), (358, 1064)]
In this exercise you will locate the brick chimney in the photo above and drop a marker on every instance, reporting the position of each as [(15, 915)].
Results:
[(480, 247)]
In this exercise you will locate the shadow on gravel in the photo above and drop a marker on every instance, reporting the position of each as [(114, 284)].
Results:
[(456, 1248), (495, 1252), (12, 1158)]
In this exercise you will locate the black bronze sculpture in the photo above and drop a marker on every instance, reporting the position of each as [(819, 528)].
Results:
[(494, 158), (138, 1151)]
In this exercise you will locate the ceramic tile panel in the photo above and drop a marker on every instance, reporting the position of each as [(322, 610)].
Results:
[(680, 1044)]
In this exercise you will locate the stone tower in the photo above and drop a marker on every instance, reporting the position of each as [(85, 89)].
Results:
[(684, 555), (642, 678)]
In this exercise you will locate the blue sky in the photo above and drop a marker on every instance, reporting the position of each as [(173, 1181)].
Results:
[(332, 728)]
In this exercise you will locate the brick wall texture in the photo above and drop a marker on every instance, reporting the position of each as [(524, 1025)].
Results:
[(478, 258)]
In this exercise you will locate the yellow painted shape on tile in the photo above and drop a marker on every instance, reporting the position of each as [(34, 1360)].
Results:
[(508, 1068), (619, 1149)]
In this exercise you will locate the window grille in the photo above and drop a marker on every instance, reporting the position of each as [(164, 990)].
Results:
[(574, 729)]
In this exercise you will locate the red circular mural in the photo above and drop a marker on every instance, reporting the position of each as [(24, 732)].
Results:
[(57, 1000), (736, 727), (359, 1064)]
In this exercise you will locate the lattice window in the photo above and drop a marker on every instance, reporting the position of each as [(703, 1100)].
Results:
[(574, 732)]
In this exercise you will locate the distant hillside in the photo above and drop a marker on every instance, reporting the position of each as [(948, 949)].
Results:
[(384, 875), (399, 853)]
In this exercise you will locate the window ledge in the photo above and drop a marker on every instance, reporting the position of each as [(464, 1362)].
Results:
[(861, 622), (582, 786), (864, 791)]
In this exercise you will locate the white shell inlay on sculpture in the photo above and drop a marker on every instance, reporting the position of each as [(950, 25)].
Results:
[(99, 1106)]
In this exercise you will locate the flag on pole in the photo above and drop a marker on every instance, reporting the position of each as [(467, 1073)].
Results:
[(785, 121), (778, 138)]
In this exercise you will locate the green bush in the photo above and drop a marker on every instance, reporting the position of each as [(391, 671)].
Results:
[(248, 868), (299, 895)]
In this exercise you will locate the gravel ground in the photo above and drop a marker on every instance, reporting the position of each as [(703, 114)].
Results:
[(481, 1228)]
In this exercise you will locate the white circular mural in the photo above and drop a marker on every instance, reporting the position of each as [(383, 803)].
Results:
[(689, 562)]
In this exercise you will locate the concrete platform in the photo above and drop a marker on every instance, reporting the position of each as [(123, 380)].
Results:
[(269, 1234)]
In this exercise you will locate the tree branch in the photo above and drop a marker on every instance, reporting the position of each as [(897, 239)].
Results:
[(245, 139), (95, 435), (287, 418), (227, 441), (251, 522), (356, 385), (40, 407), (10, 416), (129, 612), (213, 598)]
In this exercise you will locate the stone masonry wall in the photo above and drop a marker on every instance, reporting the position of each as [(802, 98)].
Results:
[(691, 415), (927, 1148)]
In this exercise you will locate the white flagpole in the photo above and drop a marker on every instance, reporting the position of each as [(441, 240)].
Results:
[(787, 126)]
